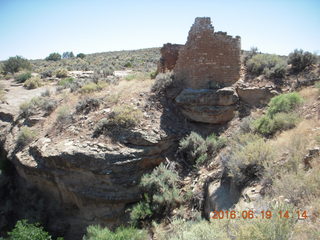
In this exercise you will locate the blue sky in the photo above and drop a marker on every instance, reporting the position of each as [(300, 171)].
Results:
[(35, 28)]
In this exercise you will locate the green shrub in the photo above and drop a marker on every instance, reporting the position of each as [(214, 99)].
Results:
[(37, 103), (279, 122), (33, 83), (284, 103), (53, 57), (61, 73), (25, 136), (90, 87), (22, 77), (162, 81), (64, 115), (87, 104), (269, 64), (261, 229), (16, 64), (66, 82), (192, 230), (125, 116), (161, 194), (26, 231), (195, 149), (317, 85), (2, 93), (96, 232), (300, 60), (248, 155)]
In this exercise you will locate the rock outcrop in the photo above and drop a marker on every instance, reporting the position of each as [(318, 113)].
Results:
[(208, 105), (256, 95)]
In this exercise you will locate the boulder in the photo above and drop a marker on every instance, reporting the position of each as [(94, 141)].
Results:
[(208, 105), (256, 95)]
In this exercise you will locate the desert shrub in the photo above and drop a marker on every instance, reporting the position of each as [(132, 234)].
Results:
[(22, 77), (87, 104), (37, 103), (33, 83), (247, 156), (162, 81), (195, 149), (268, 64), (90, 87), (161, 194), (125, 116), (81, 55), (192, 230), (53, 57), (299, 187), (25, 136), (61, 73), (46, 74), (261, 229), (64, 115), (96, 232), (279, 122), (300, 60), (284, 103), (66, 82), (153, 75), (27, 231), (16, 64), (317, 85), (2, 93)]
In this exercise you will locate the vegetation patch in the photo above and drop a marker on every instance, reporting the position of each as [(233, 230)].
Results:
[(22, 77), (194, 149), (64, 115), (90, 87), (25, 136), (161, 195), (279, 115), (33, 82), (37, 103), (162, 81), (247, 157), (61, 73), (96, 232), (87, 105), (301, 60), (270, 65), (16, 64), (24, 230)]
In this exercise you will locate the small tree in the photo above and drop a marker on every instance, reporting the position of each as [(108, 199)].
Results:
[(67, 55), (53, 57), (300, 60), (16, 64), (81, 55)]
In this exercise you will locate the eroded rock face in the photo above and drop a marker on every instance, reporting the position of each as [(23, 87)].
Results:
[(207, 105)]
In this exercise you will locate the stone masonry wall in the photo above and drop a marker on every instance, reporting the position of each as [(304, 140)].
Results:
[(169, 56), (208, 59)]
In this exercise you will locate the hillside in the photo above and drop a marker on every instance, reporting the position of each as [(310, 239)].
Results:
[(195, 141)]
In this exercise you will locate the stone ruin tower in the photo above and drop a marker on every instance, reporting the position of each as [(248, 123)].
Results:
[(203, 68)]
